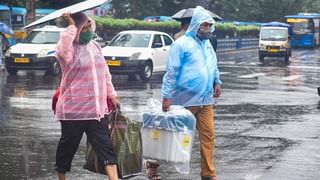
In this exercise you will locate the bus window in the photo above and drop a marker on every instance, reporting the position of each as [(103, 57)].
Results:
[(17, 21), (18, 16), (301, 25)]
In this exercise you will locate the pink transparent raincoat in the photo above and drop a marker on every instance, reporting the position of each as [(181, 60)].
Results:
[(86, 80)]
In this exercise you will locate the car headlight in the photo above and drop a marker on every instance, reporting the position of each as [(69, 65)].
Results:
[(263, 47), (8, 53), (135, 56), (43, 53), (283, 47)]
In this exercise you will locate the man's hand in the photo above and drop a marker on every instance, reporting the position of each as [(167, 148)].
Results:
[(217, 90), (68, 18), (166, 103)]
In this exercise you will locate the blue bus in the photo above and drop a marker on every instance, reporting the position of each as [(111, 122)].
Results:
[(5, 17), (18, 17), (306, 29), (18, 20)]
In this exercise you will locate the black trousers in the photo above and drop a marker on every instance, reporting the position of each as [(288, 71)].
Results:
[(98, 135)]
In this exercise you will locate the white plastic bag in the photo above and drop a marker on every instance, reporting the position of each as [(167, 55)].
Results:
[(168, 136)]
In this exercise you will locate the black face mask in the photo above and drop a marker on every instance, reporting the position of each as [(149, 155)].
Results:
[(203, 34)]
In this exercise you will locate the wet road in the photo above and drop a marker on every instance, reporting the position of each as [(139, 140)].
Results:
[(267, 121)]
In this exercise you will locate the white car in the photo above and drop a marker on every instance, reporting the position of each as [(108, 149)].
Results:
[(35, 52), (138, 52)]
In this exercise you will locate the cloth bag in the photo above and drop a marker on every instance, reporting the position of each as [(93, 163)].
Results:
[(127, 144)]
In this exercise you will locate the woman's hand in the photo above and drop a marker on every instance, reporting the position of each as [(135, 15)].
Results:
[(67, 17), (116, 103)]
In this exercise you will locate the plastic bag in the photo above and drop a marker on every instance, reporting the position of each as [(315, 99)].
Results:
[(126, 141), (168, 136)]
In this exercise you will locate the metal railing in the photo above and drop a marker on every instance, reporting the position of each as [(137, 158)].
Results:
[(236, 44)]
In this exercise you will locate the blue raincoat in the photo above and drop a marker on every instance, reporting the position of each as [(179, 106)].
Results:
[(192, 68)]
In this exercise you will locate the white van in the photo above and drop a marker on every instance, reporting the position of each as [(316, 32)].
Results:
[(274, 40)]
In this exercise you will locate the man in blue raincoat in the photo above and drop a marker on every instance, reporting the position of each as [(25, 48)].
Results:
[(192, 80)]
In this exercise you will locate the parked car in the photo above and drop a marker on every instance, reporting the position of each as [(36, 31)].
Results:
[(158, 18), (138, 52), (35, 52)]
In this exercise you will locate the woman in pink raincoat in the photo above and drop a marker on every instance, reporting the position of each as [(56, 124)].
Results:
[(82, 105)]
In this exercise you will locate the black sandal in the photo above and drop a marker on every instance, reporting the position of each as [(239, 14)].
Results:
[(208, 178), (152, 171), (154, 177)]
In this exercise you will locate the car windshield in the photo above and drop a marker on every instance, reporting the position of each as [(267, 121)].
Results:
[(274, 34), (131, 40), (42, 37)]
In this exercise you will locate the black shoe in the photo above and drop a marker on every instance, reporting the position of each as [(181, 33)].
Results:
[(208, 177)]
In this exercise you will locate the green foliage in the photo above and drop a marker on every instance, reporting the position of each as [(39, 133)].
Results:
[(225, 26), (108, 22), (113, 26)]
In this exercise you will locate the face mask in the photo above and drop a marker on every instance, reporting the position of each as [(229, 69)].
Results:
[(85, 37), (204, 34)]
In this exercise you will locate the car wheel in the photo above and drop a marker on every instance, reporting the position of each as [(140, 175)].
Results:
[(12, 71), (286, 59), (146, 71), (290, 52), (54, 69), (261, 58)]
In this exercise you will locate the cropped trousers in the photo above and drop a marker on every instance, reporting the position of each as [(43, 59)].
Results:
[(205, 127)]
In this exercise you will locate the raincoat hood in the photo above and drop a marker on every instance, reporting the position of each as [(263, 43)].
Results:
[(199, 16), (81, 20)]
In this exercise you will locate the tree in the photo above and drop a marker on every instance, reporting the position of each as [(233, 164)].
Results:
[(135, 9), (260, 10), (238, 10), (31, 10), (55, 4), (168, 8)]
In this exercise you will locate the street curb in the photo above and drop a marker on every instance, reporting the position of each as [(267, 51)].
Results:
[(236, 51)]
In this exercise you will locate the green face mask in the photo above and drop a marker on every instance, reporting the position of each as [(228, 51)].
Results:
[(85, 37)]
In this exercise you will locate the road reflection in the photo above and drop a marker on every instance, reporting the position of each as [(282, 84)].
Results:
[(267, 120)]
